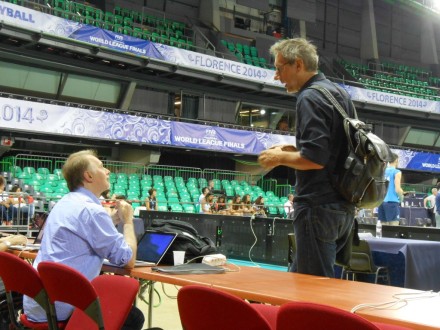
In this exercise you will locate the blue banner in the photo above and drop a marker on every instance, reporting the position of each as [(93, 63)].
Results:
[(391, 100), (115, 41), (45, 118), (62, 120), (418, 160), (224, 139)]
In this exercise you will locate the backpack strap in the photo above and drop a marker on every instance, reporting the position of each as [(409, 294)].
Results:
[(334, 102)]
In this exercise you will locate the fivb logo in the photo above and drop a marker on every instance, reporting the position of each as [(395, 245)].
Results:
[(17, 14), (209, 132), (119, 38)]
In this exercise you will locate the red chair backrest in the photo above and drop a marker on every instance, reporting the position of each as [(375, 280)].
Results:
[(19, 276), (204, 308), (116, 295), (303, 315), (66, 284), (107, 299)]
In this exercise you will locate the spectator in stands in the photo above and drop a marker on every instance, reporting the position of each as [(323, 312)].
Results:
[(322, 219), (4, 204), (429, 204), (80, 233), (21, 203), (283, 125), (236, 206), (288, 205), (211, 186), (220, 205), (246, 205), (389, 210), (206, 204), (205, 190), (151, 200), (259, 207)]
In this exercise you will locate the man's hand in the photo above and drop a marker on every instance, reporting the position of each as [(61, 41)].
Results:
[(284, 147), (271, 157), (124, 211)]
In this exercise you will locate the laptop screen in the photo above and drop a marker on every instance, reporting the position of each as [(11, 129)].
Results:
[(153, 246)]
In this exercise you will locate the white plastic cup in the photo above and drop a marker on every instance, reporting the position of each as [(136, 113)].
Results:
[(179, 257)]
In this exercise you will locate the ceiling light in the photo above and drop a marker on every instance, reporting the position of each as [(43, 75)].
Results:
[(262, 111)]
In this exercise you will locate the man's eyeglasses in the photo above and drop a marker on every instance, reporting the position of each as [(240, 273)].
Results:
[(280, 68)]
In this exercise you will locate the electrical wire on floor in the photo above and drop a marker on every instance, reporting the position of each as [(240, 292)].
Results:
[(255, 242), (166, 294), (146, 285), (402, 299), (229, 270)]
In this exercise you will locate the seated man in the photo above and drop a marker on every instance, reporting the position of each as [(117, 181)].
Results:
[(80, 233)]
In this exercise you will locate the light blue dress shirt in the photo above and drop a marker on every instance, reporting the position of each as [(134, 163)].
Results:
[(79, 233)]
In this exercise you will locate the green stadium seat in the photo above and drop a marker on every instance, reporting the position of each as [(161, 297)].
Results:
[(189, 208), (117, 10), (164, 39), (254, 51), (246, 50), (137, 17), (118, 28), (178, 34), (146, 35), (109, 17), (127, 30), (127, 13), (57, 11), (118, 20), (28, 169), (155, 37), (181, 43), (128, 21)]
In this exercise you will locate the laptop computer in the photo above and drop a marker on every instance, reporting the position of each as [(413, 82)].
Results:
[(31, 246), (151, 248)]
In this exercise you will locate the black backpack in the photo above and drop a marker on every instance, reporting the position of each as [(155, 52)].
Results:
[(361, 179), (187, 240)]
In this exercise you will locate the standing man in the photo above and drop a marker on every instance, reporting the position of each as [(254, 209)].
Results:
[(437, 206), (323, 219), (429, 204), (389, 210), (80, 233), (288, 205)]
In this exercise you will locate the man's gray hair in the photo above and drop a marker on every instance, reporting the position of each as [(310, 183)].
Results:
[(291, 49)]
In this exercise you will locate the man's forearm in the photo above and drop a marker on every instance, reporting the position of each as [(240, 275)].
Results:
[(130, 238), (295, 160)]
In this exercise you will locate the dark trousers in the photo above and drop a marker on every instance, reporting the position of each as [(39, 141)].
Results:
[(135, 320)]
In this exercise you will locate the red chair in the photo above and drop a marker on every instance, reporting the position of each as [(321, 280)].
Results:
[(202, 308), (105, 302), (19, 276), (303, 315)]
